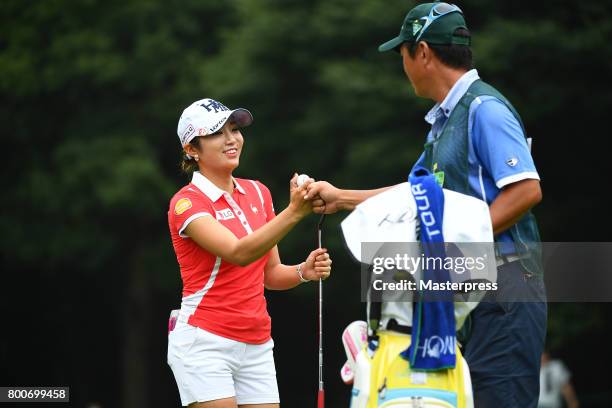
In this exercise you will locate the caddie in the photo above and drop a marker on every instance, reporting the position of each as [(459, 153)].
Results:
[(477, 146)]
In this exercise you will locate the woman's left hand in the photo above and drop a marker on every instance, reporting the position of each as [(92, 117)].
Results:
[(317, 265)]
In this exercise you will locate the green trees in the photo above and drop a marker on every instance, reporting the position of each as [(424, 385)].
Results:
[(91, 92)]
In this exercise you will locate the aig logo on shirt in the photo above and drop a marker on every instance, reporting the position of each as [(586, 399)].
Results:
[(226, 214)]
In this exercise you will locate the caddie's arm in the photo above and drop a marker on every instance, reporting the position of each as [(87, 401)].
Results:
[(513, 202), (328, 199), (571, 401)]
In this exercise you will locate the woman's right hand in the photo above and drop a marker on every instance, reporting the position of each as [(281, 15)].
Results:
[(297, 203)]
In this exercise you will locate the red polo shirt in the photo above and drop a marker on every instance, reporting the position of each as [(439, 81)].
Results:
[(218, 296)]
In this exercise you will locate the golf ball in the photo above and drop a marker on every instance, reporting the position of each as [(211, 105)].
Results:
[(302, 178)]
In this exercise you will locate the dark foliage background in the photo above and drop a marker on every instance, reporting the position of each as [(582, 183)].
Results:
[(91, 92)]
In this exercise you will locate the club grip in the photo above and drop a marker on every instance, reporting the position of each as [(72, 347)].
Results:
[(321, 399)]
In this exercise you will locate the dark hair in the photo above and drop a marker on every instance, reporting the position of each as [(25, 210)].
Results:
[(189, 165), (452, 55)]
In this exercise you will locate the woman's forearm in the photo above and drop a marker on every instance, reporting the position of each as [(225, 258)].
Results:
[(220, 241), (282, 277), (259, 242)]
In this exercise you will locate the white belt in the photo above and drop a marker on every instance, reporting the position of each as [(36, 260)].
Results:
[(505, 259)]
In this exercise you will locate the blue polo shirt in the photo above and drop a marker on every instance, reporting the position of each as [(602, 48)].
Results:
[(498, 153)]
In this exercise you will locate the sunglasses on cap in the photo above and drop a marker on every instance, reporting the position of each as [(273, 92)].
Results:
[(437, 11)]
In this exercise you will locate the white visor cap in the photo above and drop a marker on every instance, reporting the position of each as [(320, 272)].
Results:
[(206, 116)]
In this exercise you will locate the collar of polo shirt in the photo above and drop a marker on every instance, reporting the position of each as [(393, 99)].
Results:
[(452, 98), (207, 187)]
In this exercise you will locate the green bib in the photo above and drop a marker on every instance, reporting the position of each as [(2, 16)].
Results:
[(447, 158)]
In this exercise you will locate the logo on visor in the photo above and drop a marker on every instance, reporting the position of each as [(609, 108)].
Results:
[(214, 105), (217, 125), (187, 133)]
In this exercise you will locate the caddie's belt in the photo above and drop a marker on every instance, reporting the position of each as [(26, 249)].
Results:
[(505, 259)]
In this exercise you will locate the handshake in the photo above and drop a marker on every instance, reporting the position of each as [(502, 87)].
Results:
[(317, 196), (308, 195)]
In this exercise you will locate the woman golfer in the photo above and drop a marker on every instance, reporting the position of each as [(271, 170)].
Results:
[(224, 232)]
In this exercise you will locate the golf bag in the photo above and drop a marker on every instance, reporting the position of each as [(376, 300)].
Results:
[(381, 377)]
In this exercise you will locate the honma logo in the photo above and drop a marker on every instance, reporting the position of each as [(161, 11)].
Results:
[(436, 346)]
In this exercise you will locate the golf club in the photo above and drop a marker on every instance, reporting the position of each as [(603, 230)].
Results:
[(321, 392)]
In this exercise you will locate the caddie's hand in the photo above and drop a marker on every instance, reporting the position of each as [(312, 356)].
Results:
[(324, 197), (317, 265), (297, 202)]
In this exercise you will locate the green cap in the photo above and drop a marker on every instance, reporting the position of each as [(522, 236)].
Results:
[(439, 31)]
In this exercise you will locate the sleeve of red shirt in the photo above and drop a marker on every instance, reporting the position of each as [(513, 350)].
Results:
[(186, 207), (268, 203)]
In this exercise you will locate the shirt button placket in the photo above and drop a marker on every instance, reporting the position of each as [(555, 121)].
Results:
[(237, 210)]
